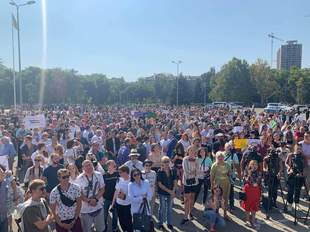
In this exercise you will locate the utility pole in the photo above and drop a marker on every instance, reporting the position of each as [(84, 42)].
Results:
[(272, 37), (177, 63), (13, 3), (13, 54)]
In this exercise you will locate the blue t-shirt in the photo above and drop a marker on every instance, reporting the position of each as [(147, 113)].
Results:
[(50, 173)]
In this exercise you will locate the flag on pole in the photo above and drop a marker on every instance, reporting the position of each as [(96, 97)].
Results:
[(14, 22)]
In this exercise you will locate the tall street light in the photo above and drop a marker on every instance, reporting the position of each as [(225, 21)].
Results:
[(177, 63), (13, 3)]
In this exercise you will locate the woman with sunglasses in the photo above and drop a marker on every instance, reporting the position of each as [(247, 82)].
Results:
[(190, 180), (35, 171), (121, 200), (66, 202), (139, 191)]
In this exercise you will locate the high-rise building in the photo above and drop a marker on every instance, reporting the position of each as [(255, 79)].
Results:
[(289, 55)]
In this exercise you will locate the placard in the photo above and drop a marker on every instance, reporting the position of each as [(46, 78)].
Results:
[(36, 121)]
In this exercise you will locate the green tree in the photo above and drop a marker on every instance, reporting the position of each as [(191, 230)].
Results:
[(264, 81), (233, 82)]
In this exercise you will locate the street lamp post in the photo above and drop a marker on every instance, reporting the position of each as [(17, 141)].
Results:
[(177, 63), (13, 3)]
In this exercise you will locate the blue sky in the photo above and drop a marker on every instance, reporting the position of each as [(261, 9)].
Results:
[(134, 38)]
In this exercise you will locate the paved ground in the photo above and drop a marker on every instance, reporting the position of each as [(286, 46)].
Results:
[(279, 221)]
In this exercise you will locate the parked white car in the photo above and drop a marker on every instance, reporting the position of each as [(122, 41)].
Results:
[(219, 104), (235, 105), (274, 107)]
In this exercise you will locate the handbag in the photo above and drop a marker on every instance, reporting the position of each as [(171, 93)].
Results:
[(64, 199), (191, 181), (141, 220)]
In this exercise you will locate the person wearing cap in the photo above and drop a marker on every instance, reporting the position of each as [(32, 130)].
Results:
[(219, 143), (150, 175), (134, 162)]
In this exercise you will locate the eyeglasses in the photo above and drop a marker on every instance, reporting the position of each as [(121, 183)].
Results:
[(136, 174), (37, 160), (65, 177)]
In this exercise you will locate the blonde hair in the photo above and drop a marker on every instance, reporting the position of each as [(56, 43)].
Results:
[(219, 153), (252, 162), (165, 159)]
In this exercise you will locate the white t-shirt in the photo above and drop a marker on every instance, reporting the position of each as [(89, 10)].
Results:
[(97, 183), (64, 212), (137, 165), (70, 156), (122, 186)]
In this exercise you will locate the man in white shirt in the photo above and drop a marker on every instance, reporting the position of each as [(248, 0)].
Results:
[(134, 163), (92, 187)]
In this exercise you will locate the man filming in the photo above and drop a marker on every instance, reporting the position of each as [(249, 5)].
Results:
[(295, 166), (272, 171)]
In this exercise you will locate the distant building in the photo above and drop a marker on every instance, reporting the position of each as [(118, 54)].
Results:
[(289, 55)]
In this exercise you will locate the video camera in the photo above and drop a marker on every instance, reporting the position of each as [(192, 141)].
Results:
[(297, 164), (273, 162)]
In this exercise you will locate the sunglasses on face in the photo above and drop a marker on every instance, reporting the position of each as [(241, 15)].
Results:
[(37, 160), (65, 177), (136, 174)]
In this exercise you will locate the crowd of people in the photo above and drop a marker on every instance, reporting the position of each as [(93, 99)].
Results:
[(90, 163)]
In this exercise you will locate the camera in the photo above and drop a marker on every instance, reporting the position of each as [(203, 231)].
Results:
[(297, 164)]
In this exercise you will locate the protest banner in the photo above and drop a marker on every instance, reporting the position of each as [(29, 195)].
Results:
[(273, 124), (240, 143), (36, 121)]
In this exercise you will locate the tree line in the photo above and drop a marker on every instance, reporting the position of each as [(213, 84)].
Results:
[(235, 81)]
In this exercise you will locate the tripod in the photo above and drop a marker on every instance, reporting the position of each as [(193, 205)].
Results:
[(271, 182), (300, 180)]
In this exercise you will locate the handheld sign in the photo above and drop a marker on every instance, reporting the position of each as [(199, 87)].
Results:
[(36, 121)]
